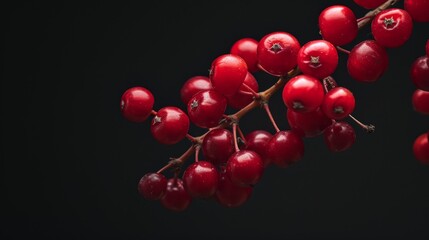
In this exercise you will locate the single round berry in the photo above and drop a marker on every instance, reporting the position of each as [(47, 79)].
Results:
[(303, 93), (246, 48), (245, 167), (339, 136), (367, 61), (257, 141), (230, 194), (309, 124), (277, 53), (421, 148), (418, 9), (152, 186), (338, 25), (285, 148), (193, 86), (369, 4), (420, 73), (137, 104), (170, 125), (420, 101), (339, 102), (227, 73), (206, 108), (201, 179), (318, 58), (243, 97), (218, 146), (392, 27), (176, 198)]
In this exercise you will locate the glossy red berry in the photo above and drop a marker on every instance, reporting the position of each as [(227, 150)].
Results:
[(243, 97), (152, 186), (420, 73), (318, 58), (339, 136), (227, 73), (418, 9), (309, 124), (230, 194), (218, 146), (421, 148), (338, 25), (339, 102), (257, 141), (137, 104), (170, 125), (303, 93), (246, 48), (193, 86), (420, 101), (392, 27), (277, 53), (367, 61), (176, 198), (285, 148), (369, 4), (245, 167), (200, 179), (206, 108)]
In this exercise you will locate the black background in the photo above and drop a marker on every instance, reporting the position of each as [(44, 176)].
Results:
[(71, 163)]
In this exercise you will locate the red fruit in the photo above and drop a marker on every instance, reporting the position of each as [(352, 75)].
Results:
[(228, 73), (137, 104), (338, 25), (229, 194), (176, 198), (420, 73), (421, 148), (245, 167), (318, 58), (418, 9), (369, 4), (339, 102), (218, 146), (246, 48), (257, 141), (152, 186), (170, 125), (285, 148), (309, 124), (243, 97), (206, 108), (277, 53), (339, 136), (420, 101), (392, 27), (201, 179), (193, 86), (303, 93), (367, 61)]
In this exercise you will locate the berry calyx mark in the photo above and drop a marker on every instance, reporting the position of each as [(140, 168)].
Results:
[(156, 120), (388, 22), (338, 110), (297, 105), (194, 104), (314, 60), (276, 48)]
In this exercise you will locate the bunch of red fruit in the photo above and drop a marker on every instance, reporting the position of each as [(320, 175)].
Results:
[(233, 161)]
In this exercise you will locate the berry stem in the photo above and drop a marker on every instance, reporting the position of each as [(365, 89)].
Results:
[(234, 132), (268, 111), (343, 50), (197, 153), (191, 138), (242, 138), (255, 94), (368, 128), (177, 162), (153, 112), (329, 83), (367, 18)]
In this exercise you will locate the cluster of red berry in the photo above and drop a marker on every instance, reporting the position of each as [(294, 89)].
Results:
[(234, 162)]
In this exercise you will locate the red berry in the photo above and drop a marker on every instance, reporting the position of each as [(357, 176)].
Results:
[(257, 141), (277, 53), (421, 148), (137, 104), (420, 73), (369, 4), (218, 146), (285, 148), (392, 27), (418, 9), (339, 102), (318, 58), (243, 97), (206, 108), (228, 73), (170, 125), (246, 48), (339, 136), (152, 186), (367, 61), (303, 93), (338, 25), (229, 194), (193, 86), (309, 124), (420, 101), (245, 167), (201, 179), (176, 198)]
